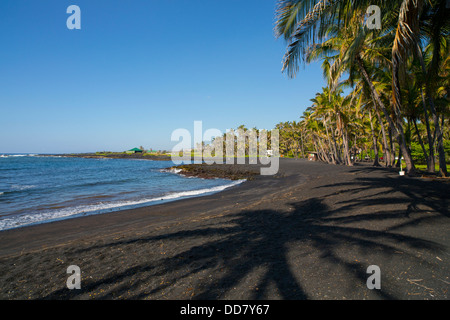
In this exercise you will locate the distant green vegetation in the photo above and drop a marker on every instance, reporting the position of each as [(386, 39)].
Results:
[(124, 153), (105, 153), (423, 167)]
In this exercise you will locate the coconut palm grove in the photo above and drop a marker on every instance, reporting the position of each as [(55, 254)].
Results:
[(387, 93)]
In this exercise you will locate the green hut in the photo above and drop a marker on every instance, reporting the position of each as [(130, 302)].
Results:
[(135, 150)]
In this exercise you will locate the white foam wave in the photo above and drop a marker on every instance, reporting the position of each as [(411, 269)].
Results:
[(28, 219), (18, 155), (178, 172), (17, 187), (171, 170)]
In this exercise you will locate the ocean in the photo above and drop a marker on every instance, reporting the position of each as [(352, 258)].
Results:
[(38, 189)]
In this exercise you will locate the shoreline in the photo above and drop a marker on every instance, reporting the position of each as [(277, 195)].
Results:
[(234, 174), (218, 171), (110, 156), (147, 203), (269, 238)]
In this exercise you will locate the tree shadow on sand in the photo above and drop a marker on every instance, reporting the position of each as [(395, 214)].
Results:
[(277, 253)]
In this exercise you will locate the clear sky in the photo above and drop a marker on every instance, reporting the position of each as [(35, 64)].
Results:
[(139, 69)]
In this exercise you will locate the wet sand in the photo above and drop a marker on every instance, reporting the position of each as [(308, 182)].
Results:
[(310, 232)]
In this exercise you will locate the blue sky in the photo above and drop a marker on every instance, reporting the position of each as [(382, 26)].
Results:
[(137, 70)]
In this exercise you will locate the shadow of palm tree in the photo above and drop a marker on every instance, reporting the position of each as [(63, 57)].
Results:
[(284, 253)]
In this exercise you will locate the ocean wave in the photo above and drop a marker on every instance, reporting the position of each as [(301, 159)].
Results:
[(17, 187), (17, 155), (178, 172), (171, 170), (84, 210)]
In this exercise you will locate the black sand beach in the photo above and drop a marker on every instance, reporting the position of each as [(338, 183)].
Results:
[(310, 232)]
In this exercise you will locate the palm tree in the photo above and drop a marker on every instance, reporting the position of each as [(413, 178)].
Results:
[(346, 50), (435, 27), (323, 110), (304, 22)]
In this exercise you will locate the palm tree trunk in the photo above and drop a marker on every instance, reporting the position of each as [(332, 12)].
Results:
[(399, 158), (440, 146), (346, 148), (302, 144), (439, 134), (397, 126), (399, 134), (330, 144), (320, 152), (374, 137), (387, 153), (423, 147), (406, 36), (335, 148), (430, 159), (392, 149)]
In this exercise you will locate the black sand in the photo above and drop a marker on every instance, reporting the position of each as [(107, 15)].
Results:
[(308, 233)]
